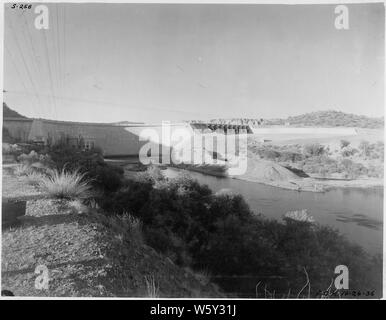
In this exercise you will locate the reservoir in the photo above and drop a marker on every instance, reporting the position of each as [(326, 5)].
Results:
[(356, 213)]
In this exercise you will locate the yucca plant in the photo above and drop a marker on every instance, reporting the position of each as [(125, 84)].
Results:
[(66, 184)]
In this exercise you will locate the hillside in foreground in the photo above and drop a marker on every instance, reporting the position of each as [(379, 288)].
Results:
[(86, 253)]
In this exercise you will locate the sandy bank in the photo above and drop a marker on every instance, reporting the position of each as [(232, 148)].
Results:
[(272, 174)]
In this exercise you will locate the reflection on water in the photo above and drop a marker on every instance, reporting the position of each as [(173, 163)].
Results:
[(361, 220), (357, 213)]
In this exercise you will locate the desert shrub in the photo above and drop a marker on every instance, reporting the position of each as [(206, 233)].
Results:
[(270, 154), (79, 206), (314, 149), (375, 171), (367, 148), (380, 149), (30, 158), (352, 169), (347, 164), (291, 156), (224, 205), (364, 147), (348, 151), (236, 248), (358, 170), (11, 149), (354, 151), (107, 178), (126, 225), (131, 197), (152, 174), (372, 150), (270, 249), (66, 185), (323, 165), (6, 148), (65, 156), (22, 170), (103, 177), (181, 205), (34, 178), (377, 150), (375, 155), (344, 143), (39, 163), (26, 148), (161, 240), (320, 249), (219, 233)]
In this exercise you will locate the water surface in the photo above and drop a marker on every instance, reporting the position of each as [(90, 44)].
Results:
[(357, 213)]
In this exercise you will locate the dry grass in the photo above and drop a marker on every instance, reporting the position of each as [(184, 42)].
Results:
[(152, 288), (272, 295), (67, 185), (34, 178), (22, 170), (128, 225), (203, 276), (79, 206), (88, 254)]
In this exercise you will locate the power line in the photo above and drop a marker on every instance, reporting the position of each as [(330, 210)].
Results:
[(49, 69), (33, 51), (55, 53), (64, 43), (58, 41), (108, 103), (25, 63), (17, 69)]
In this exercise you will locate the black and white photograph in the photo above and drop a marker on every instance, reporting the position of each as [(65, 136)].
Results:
[(198, 150)]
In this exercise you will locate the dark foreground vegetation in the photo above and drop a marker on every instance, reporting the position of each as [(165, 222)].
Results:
[(215, 234)]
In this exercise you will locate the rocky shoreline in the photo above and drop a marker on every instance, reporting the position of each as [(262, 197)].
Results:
[(311, 184)]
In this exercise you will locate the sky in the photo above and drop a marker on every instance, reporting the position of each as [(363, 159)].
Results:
[(152, 62)]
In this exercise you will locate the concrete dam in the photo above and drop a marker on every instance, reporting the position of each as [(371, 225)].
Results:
[(126, 139), (113, 139)]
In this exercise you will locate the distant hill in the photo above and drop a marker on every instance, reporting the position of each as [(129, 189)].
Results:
[(122, 123), (9, 113), (329, 118), (335, 119)]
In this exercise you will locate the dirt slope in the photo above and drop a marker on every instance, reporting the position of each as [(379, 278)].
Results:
[(268, 171), (88, 254)]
